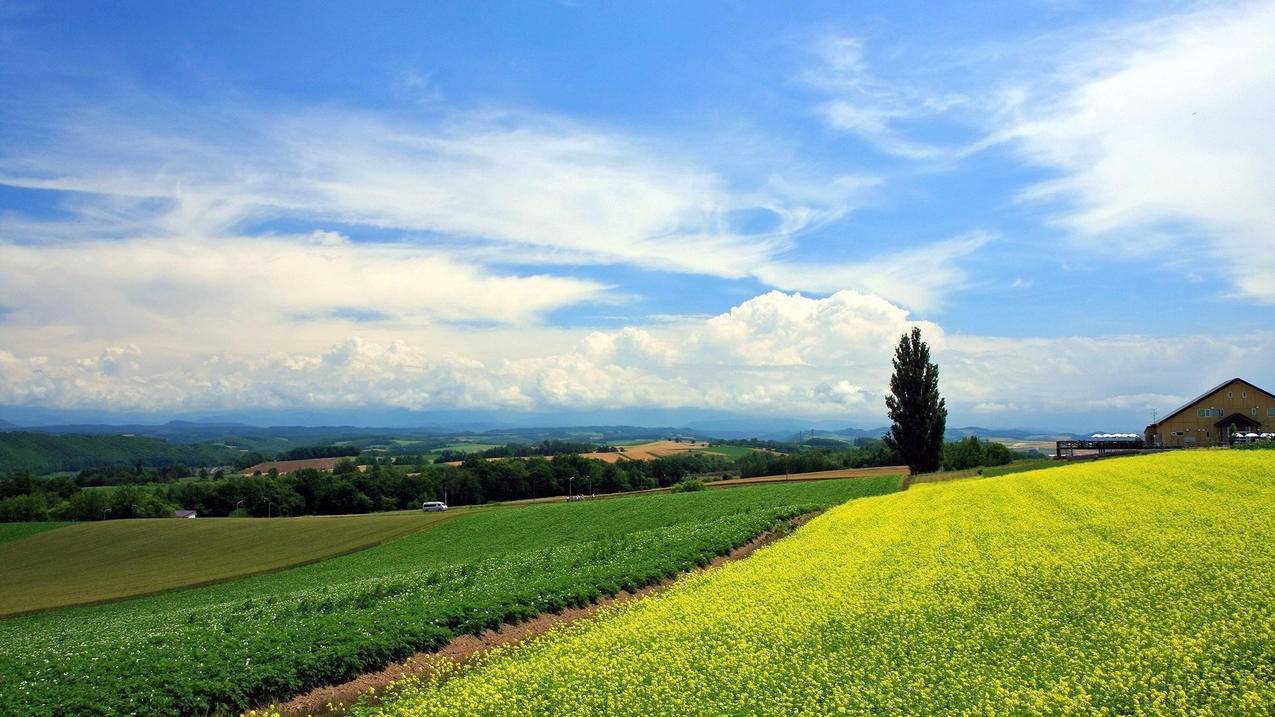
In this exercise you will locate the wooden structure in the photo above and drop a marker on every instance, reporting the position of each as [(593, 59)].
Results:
[(1229, 409)]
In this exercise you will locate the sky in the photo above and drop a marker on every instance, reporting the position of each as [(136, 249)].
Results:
[(552, 207)]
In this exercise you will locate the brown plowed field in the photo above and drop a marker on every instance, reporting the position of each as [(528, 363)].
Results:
[(647, 451), (323, 464)]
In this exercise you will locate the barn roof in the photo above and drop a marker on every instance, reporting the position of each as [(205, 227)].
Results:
[(1211, 391)]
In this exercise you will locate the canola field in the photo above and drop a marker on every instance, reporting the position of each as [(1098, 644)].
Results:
[(1134, 586), (225, 648)]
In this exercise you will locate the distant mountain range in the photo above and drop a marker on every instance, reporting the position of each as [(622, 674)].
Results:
[(244, 434), (951, 434)]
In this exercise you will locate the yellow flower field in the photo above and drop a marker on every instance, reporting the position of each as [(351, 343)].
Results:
[(1129, 586)]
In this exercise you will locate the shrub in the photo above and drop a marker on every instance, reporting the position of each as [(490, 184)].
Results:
[(23, 508)]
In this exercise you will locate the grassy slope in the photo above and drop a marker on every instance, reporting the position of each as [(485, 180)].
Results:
[(93, 562), (274, 635), (1019, 466), (1138, 586), (14, 531)]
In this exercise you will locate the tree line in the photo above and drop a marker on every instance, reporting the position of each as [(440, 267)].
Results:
[(549, 447), (346, 490), (869, 454), (307, 452)]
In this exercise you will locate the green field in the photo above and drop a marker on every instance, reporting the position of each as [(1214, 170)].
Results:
[(732, 452), (1139, 586), (239, 644), (470, 447), (13, 531), (1020, 467), (107, 560)]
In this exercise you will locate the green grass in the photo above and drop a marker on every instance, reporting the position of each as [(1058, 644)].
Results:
[(226, 647), (1021, 466), (109, 560), (1030, 464), (14, 531), (467, 447)]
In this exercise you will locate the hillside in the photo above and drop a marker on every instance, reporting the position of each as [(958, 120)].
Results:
[(227, 647), (46, 453), (1131, 586)]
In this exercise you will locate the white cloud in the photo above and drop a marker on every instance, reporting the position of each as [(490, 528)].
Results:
[(206, 293), (859, 103), (506, 188), (1164, 142), (917, 278), (511, 187), (1040, 376), (778, 353)]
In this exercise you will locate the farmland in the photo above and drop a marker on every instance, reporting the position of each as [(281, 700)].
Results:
[(93, 562), (732, 452), (241, 643), (320, 464), (1134, 586), (648, 451), (13, 531)]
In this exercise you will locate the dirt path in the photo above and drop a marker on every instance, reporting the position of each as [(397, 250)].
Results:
[(329, 701)]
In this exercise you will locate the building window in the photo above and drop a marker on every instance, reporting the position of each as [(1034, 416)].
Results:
[(1243, 394), (1209, 413), (1230, 394), (1270, 412), (1254, 411)]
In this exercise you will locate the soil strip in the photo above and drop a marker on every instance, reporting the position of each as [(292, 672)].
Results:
[(330, 701)]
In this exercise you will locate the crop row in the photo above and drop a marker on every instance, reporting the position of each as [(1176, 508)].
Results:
[(1138, 586), (238, 645)]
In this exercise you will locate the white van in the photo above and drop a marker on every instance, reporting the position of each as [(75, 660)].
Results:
[(433, 506)]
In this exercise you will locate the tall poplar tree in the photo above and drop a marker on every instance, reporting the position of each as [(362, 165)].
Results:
[(918, 413)]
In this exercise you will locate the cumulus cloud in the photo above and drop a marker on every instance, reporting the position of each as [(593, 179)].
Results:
[(1162, 138), (777, 353)]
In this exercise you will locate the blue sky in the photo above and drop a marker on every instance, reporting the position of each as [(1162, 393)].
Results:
[(538, 207)]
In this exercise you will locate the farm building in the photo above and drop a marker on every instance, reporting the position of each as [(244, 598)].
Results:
[(1233, 408)]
